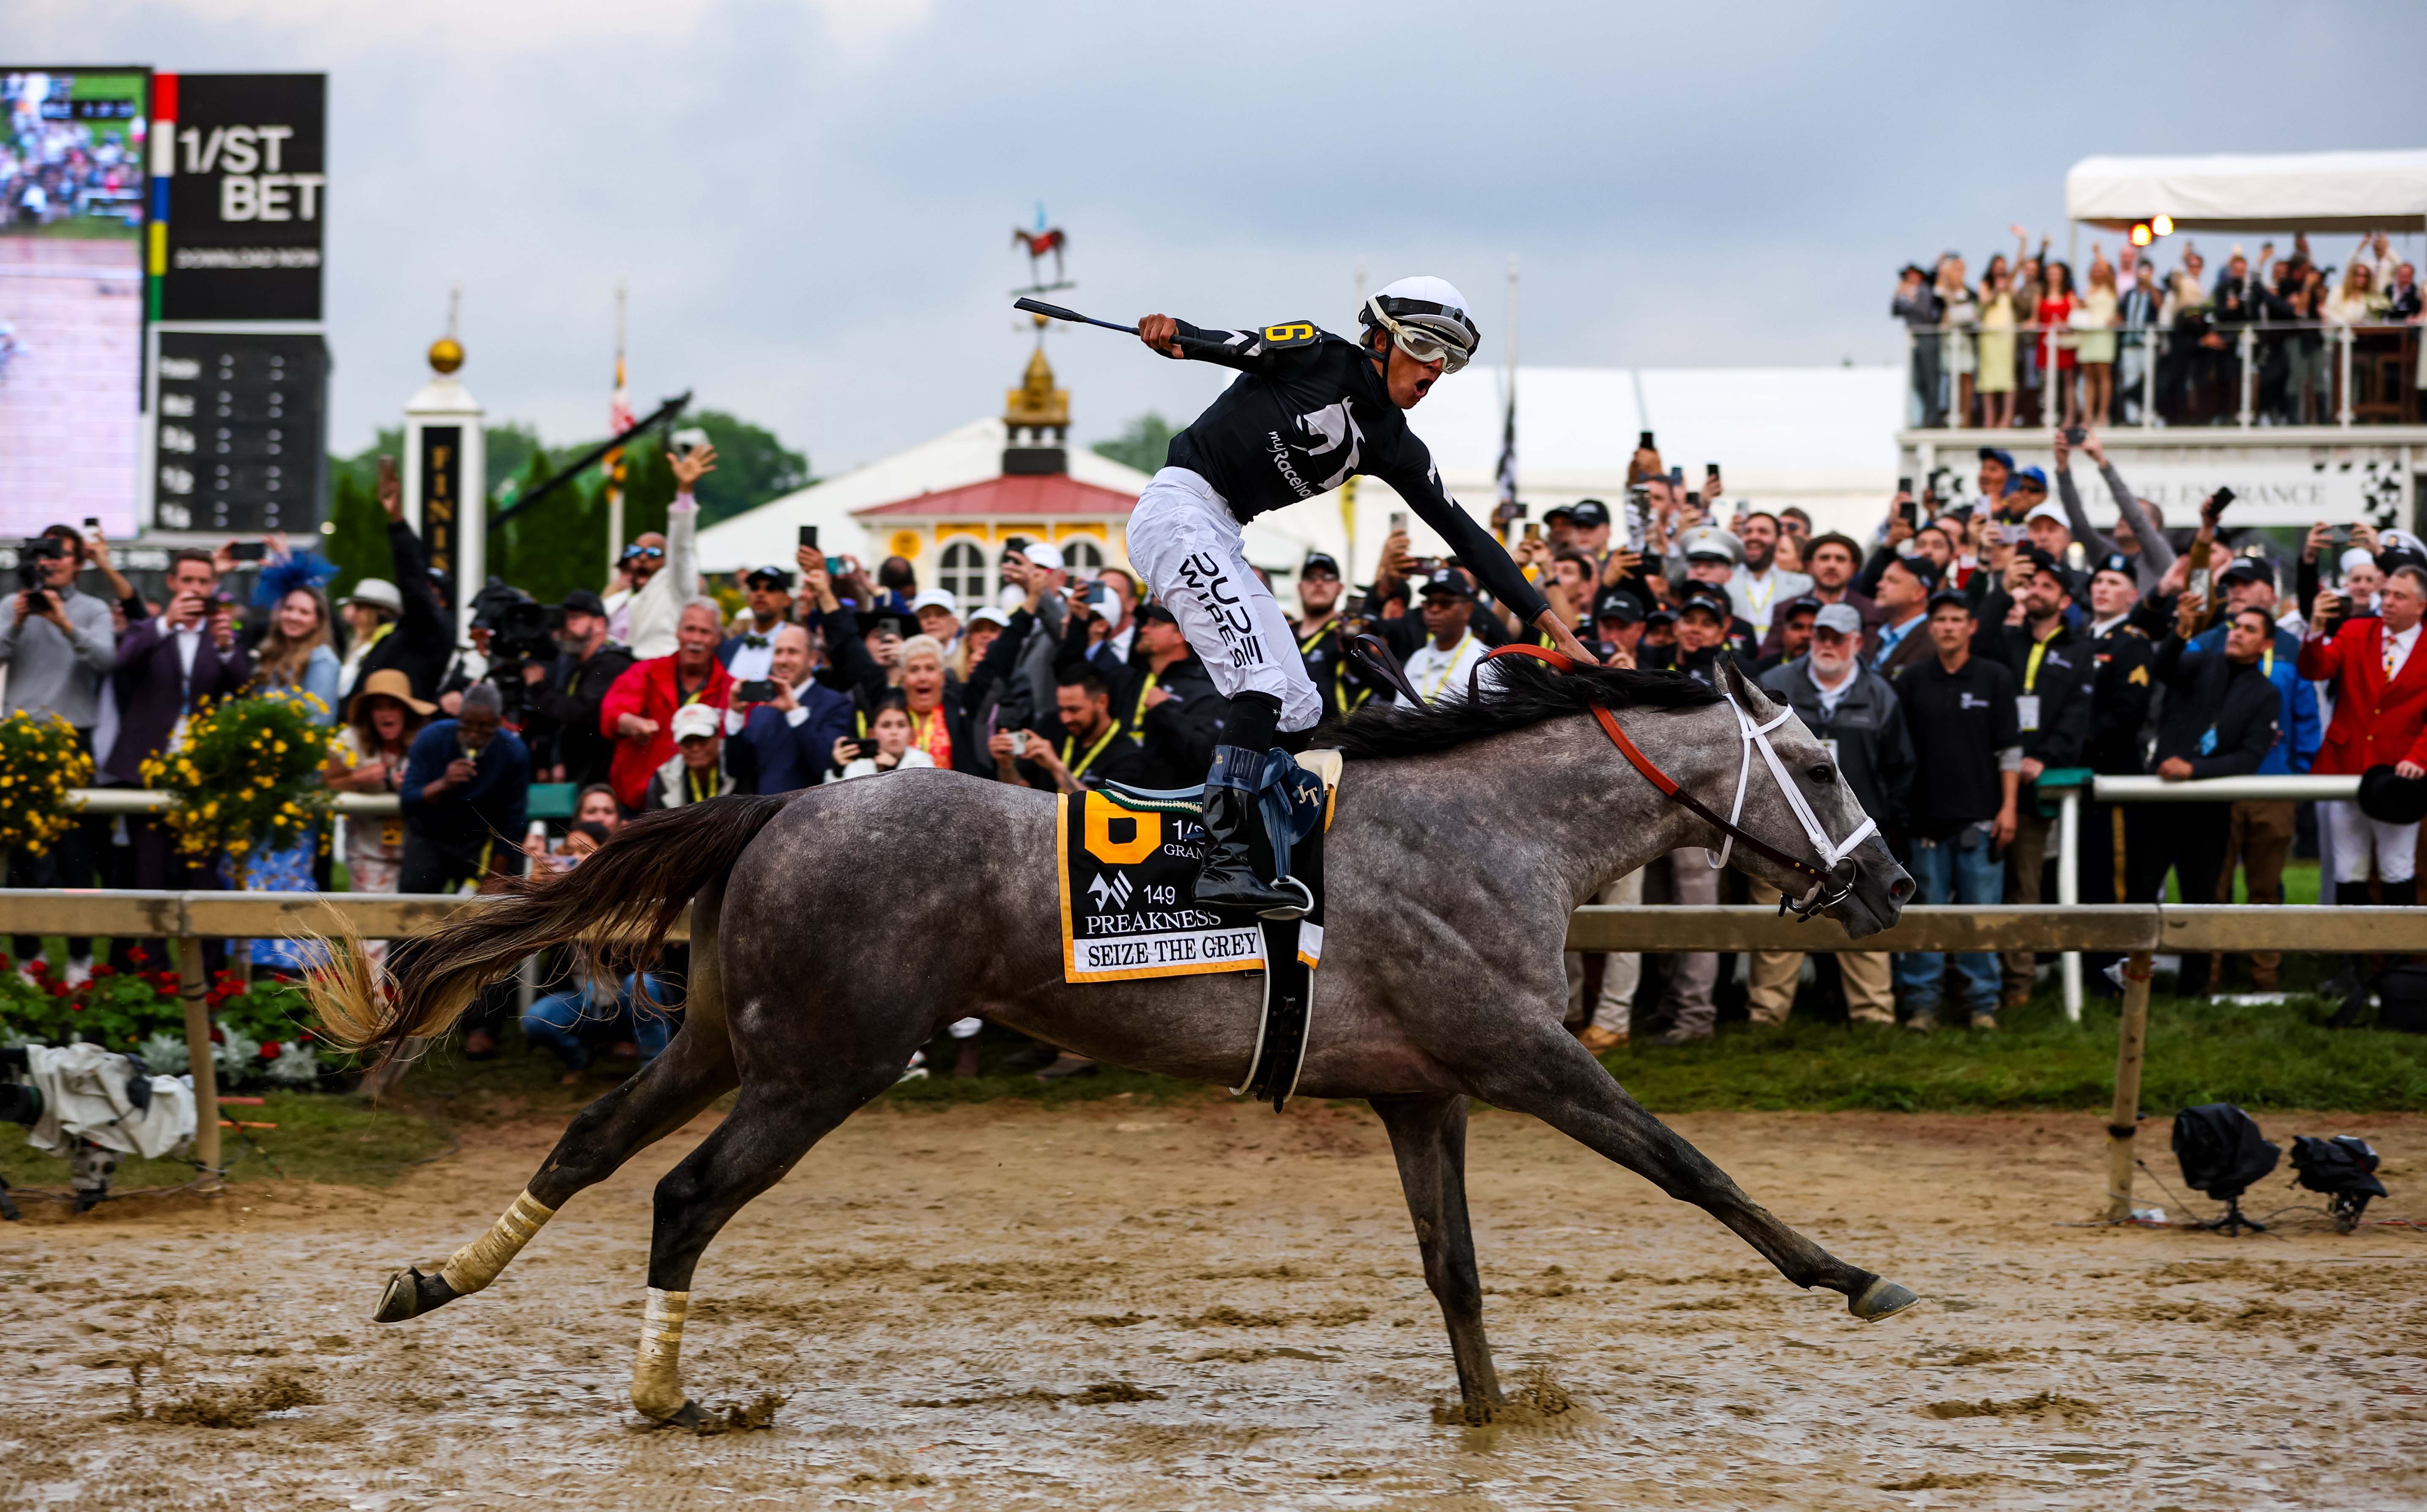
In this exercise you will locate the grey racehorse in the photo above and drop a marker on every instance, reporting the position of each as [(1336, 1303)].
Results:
[(836, 929)]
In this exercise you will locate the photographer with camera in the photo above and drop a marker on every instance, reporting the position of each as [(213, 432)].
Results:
[(57, 645), (566, 695)]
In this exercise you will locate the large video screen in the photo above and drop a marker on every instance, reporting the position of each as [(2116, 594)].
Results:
[(71, 219)]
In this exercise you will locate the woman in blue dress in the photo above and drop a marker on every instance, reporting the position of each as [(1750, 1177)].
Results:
[(293, 657)]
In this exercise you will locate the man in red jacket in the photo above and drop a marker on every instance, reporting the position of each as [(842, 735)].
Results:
[(639, 712), (2380, 707)]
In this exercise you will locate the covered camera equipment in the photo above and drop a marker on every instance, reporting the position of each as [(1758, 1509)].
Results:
[(2224, 1154), (31, 554), (2344, 1169)]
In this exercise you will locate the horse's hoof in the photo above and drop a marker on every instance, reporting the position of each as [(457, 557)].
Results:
[(687, 1416), (1881, 1299), (410, 1294)]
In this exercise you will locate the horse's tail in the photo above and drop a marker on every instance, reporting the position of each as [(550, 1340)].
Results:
[(619, 902)]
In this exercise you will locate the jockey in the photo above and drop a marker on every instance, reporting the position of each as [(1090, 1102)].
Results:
[(1309, 410)]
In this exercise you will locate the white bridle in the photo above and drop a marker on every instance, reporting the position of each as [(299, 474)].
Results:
[(1830, 851)]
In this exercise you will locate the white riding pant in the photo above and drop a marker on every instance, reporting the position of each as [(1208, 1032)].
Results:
[(1183, 538), (2355, 834)]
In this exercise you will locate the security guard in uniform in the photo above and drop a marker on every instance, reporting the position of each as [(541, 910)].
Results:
[(1322, 636), (2121, 687)]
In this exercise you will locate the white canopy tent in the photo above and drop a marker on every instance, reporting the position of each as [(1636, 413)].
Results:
[(2254, 191)]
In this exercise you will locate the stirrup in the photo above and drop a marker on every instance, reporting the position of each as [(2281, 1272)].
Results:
[(1284, 913)]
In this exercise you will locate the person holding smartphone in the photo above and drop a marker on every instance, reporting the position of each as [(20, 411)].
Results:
[(1309, 412), (56, 644)]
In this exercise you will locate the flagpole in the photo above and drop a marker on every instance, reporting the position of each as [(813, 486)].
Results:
[(614, 459), (1348, 489), (1505, 515)]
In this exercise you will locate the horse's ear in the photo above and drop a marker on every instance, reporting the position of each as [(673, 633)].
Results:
[(1734, 680)]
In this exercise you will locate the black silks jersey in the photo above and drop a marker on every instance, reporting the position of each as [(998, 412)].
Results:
[(1309, 411)]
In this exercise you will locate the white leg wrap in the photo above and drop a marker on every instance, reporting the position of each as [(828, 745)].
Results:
[(656, 1369), (477, 1264)]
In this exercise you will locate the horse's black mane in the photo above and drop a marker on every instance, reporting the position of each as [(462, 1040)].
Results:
[(1529, 693)]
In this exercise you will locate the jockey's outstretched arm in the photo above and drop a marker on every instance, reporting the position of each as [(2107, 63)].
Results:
[(1408, 469)]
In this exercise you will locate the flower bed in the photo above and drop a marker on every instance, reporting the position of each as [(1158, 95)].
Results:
[(260, 1032)]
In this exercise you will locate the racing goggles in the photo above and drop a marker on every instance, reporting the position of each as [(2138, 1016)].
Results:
[(1420, 342)]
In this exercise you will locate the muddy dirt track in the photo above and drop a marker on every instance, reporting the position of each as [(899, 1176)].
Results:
[(1206, 1307)]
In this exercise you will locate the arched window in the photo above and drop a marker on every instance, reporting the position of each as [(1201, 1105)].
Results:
[(961, 572), (1081, 554)]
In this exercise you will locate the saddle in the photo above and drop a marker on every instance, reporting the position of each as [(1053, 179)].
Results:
[(1128, 859)]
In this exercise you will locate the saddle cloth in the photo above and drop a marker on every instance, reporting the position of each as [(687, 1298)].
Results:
[(1128, 861)]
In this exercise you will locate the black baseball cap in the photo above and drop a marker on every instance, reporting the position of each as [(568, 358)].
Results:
[(1449, 580), (1617, 603), (1712, 602), (772, 575), (1155, 610), (1589, 513), (1948, 595), (2041, 562), (1320, 562), (2248, 570), (1559, 512), (582, 601), (1920, 566), (1660, 616), (1806, 605)]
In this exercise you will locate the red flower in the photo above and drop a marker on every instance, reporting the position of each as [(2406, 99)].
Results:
[(303, 1036), (38, 965), (104, 969), (270, 1051), (75, 1007), (5, 962), (138, 955), (59, 989), (218, 1038)]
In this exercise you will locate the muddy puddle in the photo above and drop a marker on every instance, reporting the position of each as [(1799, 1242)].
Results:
[(1210, 1307)]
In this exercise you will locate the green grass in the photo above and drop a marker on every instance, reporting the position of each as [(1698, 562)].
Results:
[(2270, 1056), (319, 1138)]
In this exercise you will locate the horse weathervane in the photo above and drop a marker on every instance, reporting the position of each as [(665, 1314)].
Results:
[(1040, 242)]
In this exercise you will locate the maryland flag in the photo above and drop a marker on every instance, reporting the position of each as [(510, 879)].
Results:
[(619, 419)]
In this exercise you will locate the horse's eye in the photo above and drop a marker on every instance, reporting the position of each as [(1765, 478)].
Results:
[(1822, 775)]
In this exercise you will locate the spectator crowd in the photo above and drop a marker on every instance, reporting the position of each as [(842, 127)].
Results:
[(2029, 343), (1952, 661)]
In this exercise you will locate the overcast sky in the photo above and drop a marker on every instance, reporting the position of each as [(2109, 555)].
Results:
[(812, 200)]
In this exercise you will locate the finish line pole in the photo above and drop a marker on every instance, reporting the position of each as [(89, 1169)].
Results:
[(2124, 1118)]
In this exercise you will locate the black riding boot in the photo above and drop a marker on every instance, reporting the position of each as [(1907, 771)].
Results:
[(1228, 880)]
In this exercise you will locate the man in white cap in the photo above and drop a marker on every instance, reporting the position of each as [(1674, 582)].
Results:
[(938, 614), (2050, 530), (696, 772), (1310, 410), (1037, 575)]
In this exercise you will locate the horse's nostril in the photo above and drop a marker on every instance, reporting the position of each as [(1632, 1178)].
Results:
[(1902, 889)]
